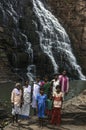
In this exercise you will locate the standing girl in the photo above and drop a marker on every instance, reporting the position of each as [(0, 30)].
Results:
[(41, 105), (57, 105)]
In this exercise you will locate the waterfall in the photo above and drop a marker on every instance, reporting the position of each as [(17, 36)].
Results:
[(54, 41), (53, 38), (12, 9), (31, 72), (29, 50), (31, 68)]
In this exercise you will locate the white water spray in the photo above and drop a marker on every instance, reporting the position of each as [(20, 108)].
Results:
[(51, 34)]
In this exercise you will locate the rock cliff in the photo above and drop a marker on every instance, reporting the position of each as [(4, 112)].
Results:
[(18, 30), (72, 15)]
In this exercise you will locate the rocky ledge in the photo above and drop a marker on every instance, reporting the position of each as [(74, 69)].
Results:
[(76, 104)]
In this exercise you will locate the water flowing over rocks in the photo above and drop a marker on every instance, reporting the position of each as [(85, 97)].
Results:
[(72, 15), (26, 42)]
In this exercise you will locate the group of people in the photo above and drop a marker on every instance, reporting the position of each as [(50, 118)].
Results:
[(44, 97)]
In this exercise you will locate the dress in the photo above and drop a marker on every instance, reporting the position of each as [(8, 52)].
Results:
[(36, 88), (49, 106), (41, 100), (25, 110), (46, 87)]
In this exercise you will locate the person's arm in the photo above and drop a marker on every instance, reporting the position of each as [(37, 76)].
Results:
[(37, 103), (31, 92), (22, 99), (62, 99), (51, 87), (67, 85), (45, 100), (53, 97), (12, 99)]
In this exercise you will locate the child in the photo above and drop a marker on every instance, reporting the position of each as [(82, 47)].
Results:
[(57, 104), (49, 105), (16, 96), (41, 104)]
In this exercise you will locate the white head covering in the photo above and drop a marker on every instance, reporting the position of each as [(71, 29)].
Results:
[(17, 84)]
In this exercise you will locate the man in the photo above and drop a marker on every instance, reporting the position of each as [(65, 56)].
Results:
[(64, 82), (16, 96)]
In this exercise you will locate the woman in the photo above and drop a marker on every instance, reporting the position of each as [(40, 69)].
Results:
[(36, 88), (47, 86), (25, 110)]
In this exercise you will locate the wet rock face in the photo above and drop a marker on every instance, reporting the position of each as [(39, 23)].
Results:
[(16, 32), (72, 15)]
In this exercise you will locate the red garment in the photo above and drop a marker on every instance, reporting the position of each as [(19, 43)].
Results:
[(56, 116)]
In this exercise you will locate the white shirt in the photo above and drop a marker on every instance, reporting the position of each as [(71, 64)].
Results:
[(55, 83)]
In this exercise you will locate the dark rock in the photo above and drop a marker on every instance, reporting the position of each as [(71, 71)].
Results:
[(21, 20), (72, 15)]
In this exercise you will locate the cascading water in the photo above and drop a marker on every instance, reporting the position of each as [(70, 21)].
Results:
[(54, 41), (31, 68), (53, 38), (12, 9)]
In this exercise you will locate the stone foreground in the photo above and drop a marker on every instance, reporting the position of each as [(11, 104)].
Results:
[(32, 124)]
